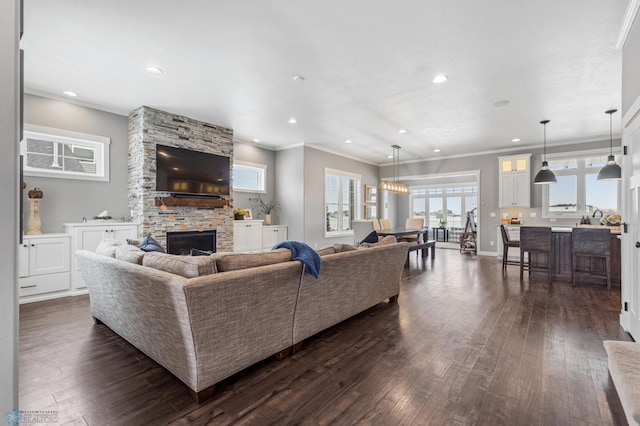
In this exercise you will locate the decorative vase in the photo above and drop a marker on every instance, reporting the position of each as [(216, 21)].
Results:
[(33, 224), (238, 216), (267, 219)]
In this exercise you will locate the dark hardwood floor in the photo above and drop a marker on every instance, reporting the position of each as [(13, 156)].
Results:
[(463, 345)]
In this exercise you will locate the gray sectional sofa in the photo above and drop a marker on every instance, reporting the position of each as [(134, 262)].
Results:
[(206, 318)]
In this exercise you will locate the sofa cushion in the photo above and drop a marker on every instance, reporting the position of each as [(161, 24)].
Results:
[(226, 261), (327, 250), (129, 253), (389, 239), (150, 244), (107, 247), (185, 266)]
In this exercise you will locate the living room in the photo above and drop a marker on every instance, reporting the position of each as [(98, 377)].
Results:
[(295, 172)]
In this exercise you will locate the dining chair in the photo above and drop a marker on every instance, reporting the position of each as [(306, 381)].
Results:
[(535, 239), (385, 223), (376, 225), (590, 243), (507, 243), (413, 223)]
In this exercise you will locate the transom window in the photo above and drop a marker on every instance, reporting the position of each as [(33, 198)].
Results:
[(249, 177), (578, 191), (341, 202), (49, 152)]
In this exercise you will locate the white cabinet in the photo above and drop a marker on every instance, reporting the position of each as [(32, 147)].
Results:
[(272, 235), (44, 265), (514, 181), (87, 236), (247, 236)]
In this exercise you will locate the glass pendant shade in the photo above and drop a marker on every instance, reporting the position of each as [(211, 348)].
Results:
[(545, 176), (611, 171)]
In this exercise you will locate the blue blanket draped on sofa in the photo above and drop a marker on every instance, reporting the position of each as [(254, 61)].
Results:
[(305, 254)]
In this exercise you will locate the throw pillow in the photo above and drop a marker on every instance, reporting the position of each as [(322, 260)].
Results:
[(339, 248), (185, 266), (107, 247), (150, 244), (129, 253), (371, 238), (133, 242), (327, 250)]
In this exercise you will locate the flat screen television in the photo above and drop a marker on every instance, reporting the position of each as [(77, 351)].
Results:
[(184, 172)]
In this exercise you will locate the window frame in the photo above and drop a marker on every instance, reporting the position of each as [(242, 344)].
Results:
[(262, 168), (99, 144), (443, 192), (357, 207), (581, 172)]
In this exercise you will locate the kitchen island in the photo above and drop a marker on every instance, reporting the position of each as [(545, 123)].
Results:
[(562, 257)]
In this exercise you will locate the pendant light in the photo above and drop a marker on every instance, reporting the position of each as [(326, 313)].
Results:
[(545, 176), (394, 186), (611, 171)]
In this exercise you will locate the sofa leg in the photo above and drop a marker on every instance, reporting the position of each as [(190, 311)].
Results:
[(203, 395), (283, 353), (96, 321), (297, 347), (393, 299)]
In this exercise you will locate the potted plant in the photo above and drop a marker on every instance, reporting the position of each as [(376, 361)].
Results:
[(238, 213), (266, 207), (443, 223)]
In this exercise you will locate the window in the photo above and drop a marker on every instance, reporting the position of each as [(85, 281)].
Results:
[(249, 177), (341, 202), (578, 191), (57, 153), (443, 203)]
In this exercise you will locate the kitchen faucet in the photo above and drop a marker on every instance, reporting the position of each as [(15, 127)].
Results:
[(596, 211)]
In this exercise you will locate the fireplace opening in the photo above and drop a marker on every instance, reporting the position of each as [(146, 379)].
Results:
[(183, 242)]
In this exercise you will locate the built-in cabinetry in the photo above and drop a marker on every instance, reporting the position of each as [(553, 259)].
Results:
[(87, 236), (272, 235), (514, 181), (250, 236), (44, 267), (247, 236)]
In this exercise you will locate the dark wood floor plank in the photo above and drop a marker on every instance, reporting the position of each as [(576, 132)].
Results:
[(465, 344)]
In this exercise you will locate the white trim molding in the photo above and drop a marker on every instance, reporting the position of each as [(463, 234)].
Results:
[(627, 22)]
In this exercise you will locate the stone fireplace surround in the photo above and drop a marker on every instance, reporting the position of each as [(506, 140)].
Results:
[(148, 127)]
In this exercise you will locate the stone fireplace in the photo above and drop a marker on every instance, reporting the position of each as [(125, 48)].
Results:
[(156, 213)]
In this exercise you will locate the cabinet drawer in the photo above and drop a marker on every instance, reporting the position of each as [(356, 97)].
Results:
[(44, 284)]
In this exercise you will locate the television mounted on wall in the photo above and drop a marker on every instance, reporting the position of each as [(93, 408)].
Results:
[(184, 172)]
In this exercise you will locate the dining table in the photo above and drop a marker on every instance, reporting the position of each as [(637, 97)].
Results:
[(401, 232)]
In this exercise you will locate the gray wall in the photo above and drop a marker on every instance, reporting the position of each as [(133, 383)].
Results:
[(69, 200), (9, 125), (254, 154), (631, 68), (290, 189)]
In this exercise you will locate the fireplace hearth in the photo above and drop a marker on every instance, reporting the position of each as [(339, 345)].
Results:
[(182, 242)]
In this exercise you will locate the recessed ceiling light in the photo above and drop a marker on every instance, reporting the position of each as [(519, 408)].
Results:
[(256, 140), (154, 71), (515, 140), (402, 131), (298, 78), (440, 78), (347, 141), (70, 93), (389, 156), (502, 103), (292, 120), (436, 150)]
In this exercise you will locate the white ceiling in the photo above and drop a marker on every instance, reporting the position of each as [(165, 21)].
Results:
[(367, 65)]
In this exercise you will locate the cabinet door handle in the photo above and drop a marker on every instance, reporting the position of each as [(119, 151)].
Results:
[(637, 244), (33, 245), (28, 286)]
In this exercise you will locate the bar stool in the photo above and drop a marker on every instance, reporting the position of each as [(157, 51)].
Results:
[(586, 242), (507, 243), (535, 239)]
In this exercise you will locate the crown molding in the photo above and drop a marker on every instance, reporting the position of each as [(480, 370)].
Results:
[(627, 22)]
